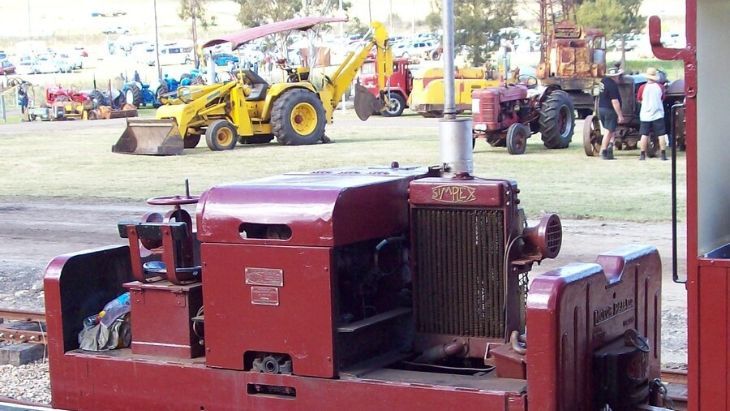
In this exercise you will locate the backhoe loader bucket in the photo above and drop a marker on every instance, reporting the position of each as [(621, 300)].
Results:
[(365, 103), (150, 137)]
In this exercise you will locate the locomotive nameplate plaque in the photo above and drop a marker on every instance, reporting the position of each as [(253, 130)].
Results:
[(264, 295), (264, 276), (453, 194)]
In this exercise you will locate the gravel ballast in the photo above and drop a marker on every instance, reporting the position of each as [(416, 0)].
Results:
[(28, 382)]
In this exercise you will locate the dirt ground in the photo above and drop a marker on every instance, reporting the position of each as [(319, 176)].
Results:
[(32, 232)]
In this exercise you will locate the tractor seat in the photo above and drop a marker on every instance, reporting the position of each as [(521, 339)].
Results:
[(258, 92), (160, 268), (259, 86)]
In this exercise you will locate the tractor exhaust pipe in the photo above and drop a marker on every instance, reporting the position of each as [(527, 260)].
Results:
[(455, 133)]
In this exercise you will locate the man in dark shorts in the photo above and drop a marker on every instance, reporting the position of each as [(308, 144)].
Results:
[(609, 110), (651, 96)]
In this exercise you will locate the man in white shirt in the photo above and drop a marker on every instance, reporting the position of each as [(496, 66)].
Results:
[(650, 95)]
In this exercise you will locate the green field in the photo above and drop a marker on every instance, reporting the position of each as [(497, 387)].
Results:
[(74, 160)]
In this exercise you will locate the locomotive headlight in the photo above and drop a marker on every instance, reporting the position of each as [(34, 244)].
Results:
[(480, 127)]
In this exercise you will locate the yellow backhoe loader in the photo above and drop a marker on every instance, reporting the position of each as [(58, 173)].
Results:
[(250, 110)]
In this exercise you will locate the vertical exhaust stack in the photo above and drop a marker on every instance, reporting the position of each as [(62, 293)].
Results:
[(454, 133)]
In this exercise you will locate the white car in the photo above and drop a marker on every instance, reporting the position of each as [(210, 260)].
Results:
[(399, 49), (418, 48), (46, 64), (26, 65), (64, 63)]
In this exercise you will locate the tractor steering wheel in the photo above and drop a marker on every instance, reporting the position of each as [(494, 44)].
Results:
[(529, 81)]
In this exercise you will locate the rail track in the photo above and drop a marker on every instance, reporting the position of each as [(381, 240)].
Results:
[(19, 326)]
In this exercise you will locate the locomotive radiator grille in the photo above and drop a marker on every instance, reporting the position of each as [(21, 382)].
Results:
[(458, 279)]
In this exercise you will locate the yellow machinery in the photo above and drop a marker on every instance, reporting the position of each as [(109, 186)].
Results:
[(249, 110), (427, 95)]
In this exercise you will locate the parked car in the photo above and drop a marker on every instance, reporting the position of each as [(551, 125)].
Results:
[(6, 67), (400, 49), (224, 59), (26, 65), (173, 53), (64, 63), (419, 48), (46, 64), (3, 55), (81, 51)]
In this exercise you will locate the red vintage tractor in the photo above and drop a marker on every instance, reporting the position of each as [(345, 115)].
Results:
[(509, 115), (68, 103)]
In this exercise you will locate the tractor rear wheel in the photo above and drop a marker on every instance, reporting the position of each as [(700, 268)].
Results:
[(133, 95), (191, 140), (298, 118), (396, 106), (592, 137), (557, 120), (221, 135), (517, 135)]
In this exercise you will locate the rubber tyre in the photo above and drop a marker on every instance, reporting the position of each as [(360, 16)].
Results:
[(191, 140), (557, 120), (160, 92), (592, 137), (284, 118), (97, 98), (259, 139), (221, 135), (397, 105), (517, 135), (133, 95)]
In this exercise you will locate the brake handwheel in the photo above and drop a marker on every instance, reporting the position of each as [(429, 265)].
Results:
[(176, 200)]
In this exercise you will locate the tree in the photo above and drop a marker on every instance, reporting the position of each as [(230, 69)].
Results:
[(194, 10), (614, 17), (476, 22)]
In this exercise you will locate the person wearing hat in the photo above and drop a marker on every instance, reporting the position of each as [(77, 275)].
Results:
[(609, 110), (651, 116)]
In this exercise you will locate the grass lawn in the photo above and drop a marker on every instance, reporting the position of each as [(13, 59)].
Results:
[(74, 160)]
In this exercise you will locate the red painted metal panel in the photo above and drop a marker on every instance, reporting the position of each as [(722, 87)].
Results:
[(477, 192), (324, 208), (164, 306), (714, 287), (577, 309), (689, 56), (199, 388), (301, 324)]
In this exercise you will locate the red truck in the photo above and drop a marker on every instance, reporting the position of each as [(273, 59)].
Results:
[(401, 84)]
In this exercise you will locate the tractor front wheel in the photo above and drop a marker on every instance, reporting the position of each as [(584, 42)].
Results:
[(592, 137), (191, 140), (557, 120), (221, 135), (517, 135), (298, 118), (396, 106)]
